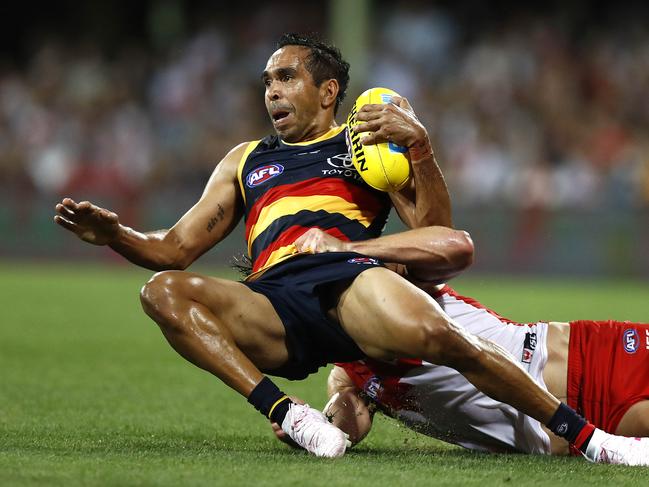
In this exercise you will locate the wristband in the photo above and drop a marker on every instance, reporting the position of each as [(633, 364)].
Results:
[(420, 151)]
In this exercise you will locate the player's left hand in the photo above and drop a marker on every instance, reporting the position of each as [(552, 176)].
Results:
[(392, 122), (282, 436), (315, 241)]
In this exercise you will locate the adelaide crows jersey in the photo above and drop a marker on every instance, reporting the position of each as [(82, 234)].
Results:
[(290, 188)]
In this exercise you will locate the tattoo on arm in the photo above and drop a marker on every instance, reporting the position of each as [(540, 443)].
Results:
[(220, 215)]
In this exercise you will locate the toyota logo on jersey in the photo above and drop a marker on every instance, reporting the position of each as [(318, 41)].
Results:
[(630, 340), (263, 174), (341, 161)]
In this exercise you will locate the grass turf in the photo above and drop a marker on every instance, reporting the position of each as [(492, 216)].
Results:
[(91, 394)]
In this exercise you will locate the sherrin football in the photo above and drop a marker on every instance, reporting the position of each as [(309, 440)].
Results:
[(383, 166)]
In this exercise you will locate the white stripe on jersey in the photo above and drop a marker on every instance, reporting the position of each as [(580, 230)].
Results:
[(443, 404)]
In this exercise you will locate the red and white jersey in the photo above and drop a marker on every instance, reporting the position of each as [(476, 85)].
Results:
[(438, 401)]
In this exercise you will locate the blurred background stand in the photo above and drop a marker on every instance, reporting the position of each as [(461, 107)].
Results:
[(538, 114)]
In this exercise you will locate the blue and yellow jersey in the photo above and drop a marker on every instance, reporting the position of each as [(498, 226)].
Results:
[(290, 188)]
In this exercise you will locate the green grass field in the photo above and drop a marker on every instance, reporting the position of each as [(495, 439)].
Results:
[(91, 394)]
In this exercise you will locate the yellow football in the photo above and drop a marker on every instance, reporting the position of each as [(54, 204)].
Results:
[(383, 166)]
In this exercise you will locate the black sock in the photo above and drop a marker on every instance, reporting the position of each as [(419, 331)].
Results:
[(567, 424), (269, 400)]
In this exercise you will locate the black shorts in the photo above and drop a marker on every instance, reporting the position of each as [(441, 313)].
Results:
[(299, 291)]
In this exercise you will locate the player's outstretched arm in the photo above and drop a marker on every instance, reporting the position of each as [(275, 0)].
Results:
[(425, 201), (346, 408), (430, 253), (210, 220)]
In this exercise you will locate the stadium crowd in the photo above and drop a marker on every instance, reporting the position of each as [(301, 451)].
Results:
[(514, 110)]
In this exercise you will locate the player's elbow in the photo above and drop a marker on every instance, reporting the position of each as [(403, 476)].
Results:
[(462, 251), (168, 262), (180, 263), (446, 257), (456, 253), (178, 254)]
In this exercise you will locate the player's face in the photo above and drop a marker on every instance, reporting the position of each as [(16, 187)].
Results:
[(292, 98)]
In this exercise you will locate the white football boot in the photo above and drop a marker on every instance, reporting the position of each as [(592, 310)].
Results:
[(617, 450), (310, 429)]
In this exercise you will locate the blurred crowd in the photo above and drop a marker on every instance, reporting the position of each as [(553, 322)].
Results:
[(531, 114)]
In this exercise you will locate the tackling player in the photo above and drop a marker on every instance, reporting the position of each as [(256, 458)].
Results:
[(600, 368), (299, 311)]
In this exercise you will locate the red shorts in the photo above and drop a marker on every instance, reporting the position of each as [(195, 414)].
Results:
[(608, 369)]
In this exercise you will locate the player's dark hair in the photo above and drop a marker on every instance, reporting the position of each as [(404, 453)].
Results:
[(242, 264), (325, 61)]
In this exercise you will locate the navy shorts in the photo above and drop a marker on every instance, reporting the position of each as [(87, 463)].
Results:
[(299, 290)]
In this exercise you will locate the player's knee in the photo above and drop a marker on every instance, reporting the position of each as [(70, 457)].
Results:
[(464, 249), (158, 294)]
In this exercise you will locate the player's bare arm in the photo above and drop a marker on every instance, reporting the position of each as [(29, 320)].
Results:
[(430, 253), (210, 220), (425, 201)]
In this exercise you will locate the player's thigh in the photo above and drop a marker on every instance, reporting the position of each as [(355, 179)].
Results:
[(389, 317), (249, 316), (635, 421), (555, 373)]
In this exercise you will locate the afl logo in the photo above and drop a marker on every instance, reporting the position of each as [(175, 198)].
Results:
[(373, 387), (364, 260), (263, 174), (630, 341)]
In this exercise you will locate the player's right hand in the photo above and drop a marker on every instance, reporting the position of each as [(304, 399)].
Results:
[(315, 241), (89, 222)]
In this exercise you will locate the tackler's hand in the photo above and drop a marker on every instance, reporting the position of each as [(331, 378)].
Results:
[(315, 241), (392, 122), (89, 222)]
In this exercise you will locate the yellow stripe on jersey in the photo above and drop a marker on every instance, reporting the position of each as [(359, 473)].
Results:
[(293, 204), (327, 135), (280, 255), (251, 146)]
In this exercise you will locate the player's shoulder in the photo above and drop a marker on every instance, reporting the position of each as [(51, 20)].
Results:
[(235, 155), (227, 168), (241, 151), (238, 150)]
